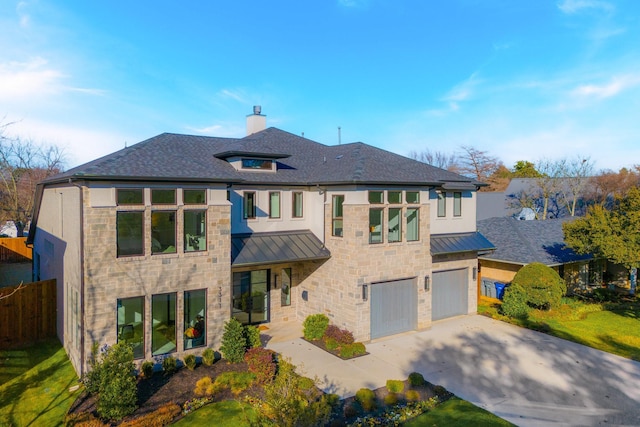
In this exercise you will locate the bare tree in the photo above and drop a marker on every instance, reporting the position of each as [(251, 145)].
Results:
[(22, 165), (436, 158), (549, 183), (575, 176), (607, 184), (477, 164)]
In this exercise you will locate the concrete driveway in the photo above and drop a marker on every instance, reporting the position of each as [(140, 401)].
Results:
[(528, 378)]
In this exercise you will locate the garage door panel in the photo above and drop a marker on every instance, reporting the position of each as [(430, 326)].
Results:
[(449, 294), (393, 307)]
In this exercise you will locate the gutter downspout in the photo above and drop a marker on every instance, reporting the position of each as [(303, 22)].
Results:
[(82, 328)]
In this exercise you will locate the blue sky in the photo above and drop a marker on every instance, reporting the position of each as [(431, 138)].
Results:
[(523, 80)]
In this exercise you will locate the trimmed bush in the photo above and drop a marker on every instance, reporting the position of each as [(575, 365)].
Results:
[(412, 395), (395, 386), (542, 285), (314, 326), (208, 356), (348, 351), (391, 399), (367, 399), (252, 334), (341, 336), (233, 341), (416, 379), (169, 365), (514, 302), (190, 361), (262, 363), (331, 343), (147, 368), (117, 394)]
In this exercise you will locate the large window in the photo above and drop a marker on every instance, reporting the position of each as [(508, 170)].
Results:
[(163, 232), (413, 224), (163, 197), (131, 324), (129, 196), (195, 318), (250, 300), (395, 225), (442, 204), (336, 216), (194, 197), (375, 225), (285, 287), (163, 323), (249, 205), (274, 204), (297, 204), (130, 233), (195, 230), (457, 203)]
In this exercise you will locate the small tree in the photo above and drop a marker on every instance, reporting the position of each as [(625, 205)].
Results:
[(234, 341), (542, 285), (117, 391)]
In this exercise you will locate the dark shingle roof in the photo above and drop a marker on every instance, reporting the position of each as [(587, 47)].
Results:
[(524, 242), (173, 157)]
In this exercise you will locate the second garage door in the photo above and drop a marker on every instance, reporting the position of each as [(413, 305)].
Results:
[(394, 307), (450, 293)]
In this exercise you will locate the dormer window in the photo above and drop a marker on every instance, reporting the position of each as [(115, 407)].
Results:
[(259, 164)]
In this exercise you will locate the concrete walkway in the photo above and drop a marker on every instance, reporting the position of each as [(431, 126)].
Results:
[(528, 378)]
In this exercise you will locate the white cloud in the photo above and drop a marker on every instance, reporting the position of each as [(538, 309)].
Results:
[(460, 93), (25, 18), (24, 79), (576, 6), (237, 95), (614, 87)]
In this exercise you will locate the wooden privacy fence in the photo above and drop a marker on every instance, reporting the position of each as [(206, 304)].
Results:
[(29, 314), (13, 249)]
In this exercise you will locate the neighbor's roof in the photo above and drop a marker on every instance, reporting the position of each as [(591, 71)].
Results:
[(524, 242), (174, 157), (276, 247)]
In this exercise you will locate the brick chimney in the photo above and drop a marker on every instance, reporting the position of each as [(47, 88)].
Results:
[(256, 121)]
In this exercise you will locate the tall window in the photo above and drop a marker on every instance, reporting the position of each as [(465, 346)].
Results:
[(194, 197), (413, 224), (336, 216), (274, 204), (130, 233), (129, 196), (195, 230), (297, 204), (163, 197), (394, 197), (375, 225), (285, 286), (195, 318), (130, 323), (457, 203), (163, 232), (442, 204), (249, 208), (163, 323), (395, 225)]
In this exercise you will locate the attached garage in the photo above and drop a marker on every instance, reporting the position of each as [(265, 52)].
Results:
[(450, 293), (394, 307)]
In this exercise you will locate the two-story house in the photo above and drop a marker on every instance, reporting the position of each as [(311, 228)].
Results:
[(160, 243)]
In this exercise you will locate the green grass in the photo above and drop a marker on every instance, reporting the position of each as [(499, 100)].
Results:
[(228, 413), (610, 327), (457, 412), (34, 385)]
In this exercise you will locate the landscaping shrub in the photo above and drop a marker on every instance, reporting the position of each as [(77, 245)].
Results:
[(82, 419), (514, 303), (412, 395), (160, 417), (233, 341), (237, 382), (261, 362), (117, 394), (367, 399), (604, 295), (93, 377), (350, 410), (348, 351), (190, 361), (542, 285), (331, 343), (341, 336), (169, 365), (391, 399), (395, 386), (202, 385), (208, 357), (416, 379), (314, 326), (147, 368), (252, 334)]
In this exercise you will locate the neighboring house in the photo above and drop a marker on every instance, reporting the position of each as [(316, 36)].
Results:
[(15, 261), (520, 243), (161, 243)]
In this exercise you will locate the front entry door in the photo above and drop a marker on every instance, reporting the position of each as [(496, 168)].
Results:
[(251, 297)]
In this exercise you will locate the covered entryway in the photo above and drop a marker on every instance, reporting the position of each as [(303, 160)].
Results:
[(450, 293), (394, 307)]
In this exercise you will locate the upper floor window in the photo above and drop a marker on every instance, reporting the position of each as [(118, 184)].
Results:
[(442, 204), (260, 164), (413, 224), (375, 225), (394, 197), (274, 205), (129, 196), (395, 225), (249, 205), (297, 204), (195, 230), (412, 197), (194, 197), (376, 197), (336, 216), (130, 233), (163, 197), (163, 232), (457, 203)]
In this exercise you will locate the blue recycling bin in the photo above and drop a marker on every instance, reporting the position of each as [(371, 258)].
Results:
[(500, 290)]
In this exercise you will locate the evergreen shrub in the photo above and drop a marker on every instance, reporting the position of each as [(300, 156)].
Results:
[(314, 326)]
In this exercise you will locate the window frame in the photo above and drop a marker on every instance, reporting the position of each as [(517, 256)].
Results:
[(246, 196), (120, 327), (185, 191), (335, 219), (294, 211), (186, 314), (417, 198), (285, 287), (123, 203), (442, 204), (273, 215), (397, 195), (175, 313), (399, 231), (376, 197), (457, 203), (245, 164)]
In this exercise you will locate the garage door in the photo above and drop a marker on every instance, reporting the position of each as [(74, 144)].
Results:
[(394, 307), (449, 293)]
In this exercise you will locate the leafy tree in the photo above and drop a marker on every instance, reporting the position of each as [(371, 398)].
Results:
[(525, 169), (611, 234)]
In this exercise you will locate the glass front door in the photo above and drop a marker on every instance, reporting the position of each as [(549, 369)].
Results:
[(251, 297)]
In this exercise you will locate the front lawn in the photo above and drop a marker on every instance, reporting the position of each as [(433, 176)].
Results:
[(34, 385), (611, 327), (457, 412), (228, 413)]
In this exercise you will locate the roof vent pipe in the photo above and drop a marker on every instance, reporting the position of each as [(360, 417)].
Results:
[(256, 121)]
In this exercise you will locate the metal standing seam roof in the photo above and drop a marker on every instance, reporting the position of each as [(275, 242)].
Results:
[(276, 247), (460, 242)]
